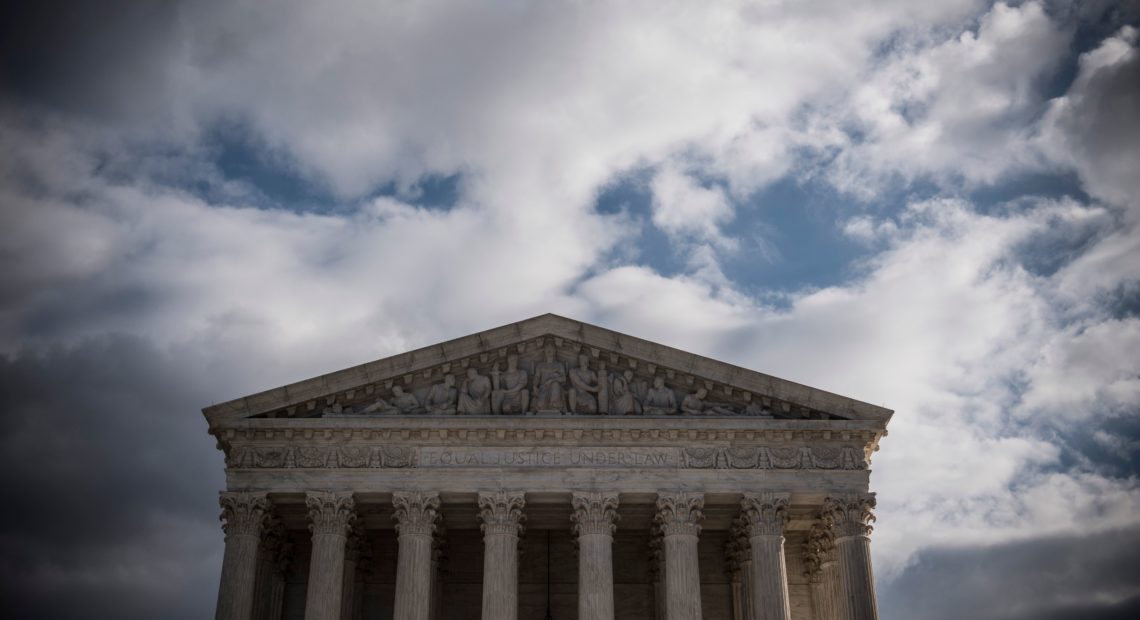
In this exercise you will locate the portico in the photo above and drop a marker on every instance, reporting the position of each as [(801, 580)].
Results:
[(750, 502)]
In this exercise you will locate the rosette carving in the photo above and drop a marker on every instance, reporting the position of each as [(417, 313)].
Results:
[(330, 513), (244, 513), (700, 458), (765, 514), (594, 513), (416, 512), (849, 514), (502, 512), (396, 456), (680, 513)]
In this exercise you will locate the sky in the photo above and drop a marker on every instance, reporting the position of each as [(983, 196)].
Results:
[(930, 206)]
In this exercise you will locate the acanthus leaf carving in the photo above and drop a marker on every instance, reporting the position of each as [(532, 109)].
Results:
[(331, 513), (849, 514), (416, 512), (765, 514), (244, 513), (819, 547), (594, 513), (501, 512), (680, 512)]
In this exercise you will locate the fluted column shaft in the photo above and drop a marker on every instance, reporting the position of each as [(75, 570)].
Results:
[(595, 516), (741, 551), (747, 578), (849, 517), (502, 516), (830, 580), (243, 519), (353, 548), (274, 560), (679, 516), (657, 571), (416, 514), (765, 515), (438, 558), (330, 517), (819, 569)]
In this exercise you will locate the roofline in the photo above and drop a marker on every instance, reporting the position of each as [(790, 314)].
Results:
[(543, 325)]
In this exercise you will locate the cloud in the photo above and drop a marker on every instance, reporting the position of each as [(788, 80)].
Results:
[(1073, 576), (1094, 128), (142, 280), (957, 111), (116, 479)]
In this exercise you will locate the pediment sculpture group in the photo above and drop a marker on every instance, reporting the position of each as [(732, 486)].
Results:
[(580, 390)]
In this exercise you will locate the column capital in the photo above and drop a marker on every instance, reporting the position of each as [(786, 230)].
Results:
[(849, 514), (656, 552), (765, 514), (416, 512), (680, 512), (330, 512), (244, 513), (738, 544), (502, 512), (819, 549), (276, 546), (594, 513)]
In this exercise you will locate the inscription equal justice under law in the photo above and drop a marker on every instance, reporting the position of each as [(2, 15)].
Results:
[(549, 457)]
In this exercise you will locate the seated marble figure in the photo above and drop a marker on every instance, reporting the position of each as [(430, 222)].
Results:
[(660, 400), (441, 397), (475, 394), (510, 395)]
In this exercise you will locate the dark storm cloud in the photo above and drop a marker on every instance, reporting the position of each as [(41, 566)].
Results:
[(88, 57), (1093, 577), (111, 479)]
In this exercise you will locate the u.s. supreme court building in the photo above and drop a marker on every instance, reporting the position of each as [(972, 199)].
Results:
[(547, 469)]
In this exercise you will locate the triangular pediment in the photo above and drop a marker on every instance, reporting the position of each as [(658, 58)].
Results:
[(536, 367)]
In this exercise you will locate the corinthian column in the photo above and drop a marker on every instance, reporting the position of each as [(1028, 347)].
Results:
[(595, 515), (765, 515), (815, 552), (742, 552), (330, 517), (679, 517), (657, 570), (819, 568), (275, 555), (243, 518), (416, 514), (502, 516), (849, 516)]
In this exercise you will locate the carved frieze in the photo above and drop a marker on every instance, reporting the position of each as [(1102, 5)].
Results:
[(696, 457), (549, 376)]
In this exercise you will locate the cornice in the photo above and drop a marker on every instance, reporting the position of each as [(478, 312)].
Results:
[(305, 397)]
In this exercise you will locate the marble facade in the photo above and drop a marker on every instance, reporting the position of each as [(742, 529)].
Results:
[(547, 463)]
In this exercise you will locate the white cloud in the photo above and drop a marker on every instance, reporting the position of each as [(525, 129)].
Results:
[(538, 105), (684, 208), (1094, 127), (961, 110)]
